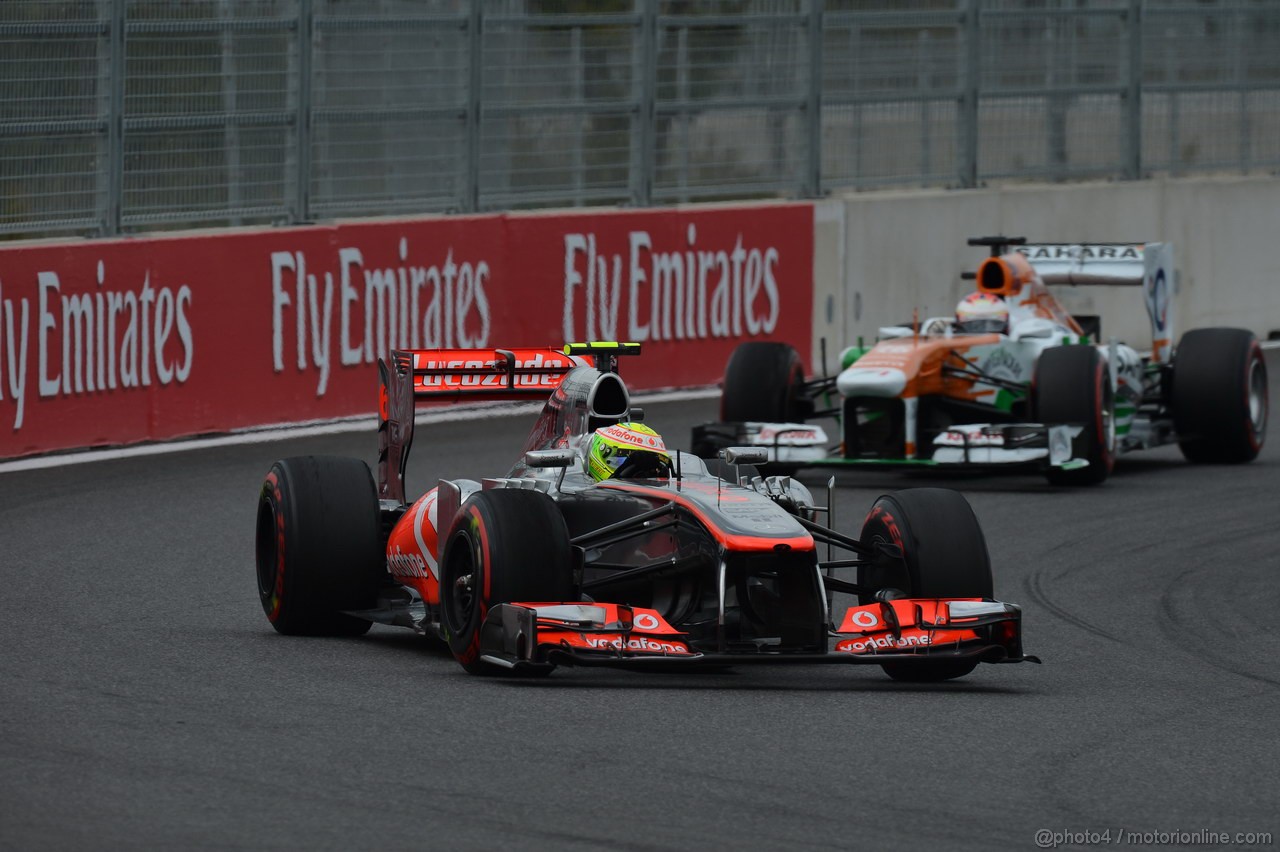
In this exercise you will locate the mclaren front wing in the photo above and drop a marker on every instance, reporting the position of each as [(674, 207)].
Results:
[(541, 635)]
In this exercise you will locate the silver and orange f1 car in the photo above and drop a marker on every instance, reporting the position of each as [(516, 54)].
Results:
[(1036, 390), (546, 566)]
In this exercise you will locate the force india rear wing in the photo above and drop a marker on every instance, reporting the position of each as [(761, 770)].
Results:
[(1149, 266), (492, 375)]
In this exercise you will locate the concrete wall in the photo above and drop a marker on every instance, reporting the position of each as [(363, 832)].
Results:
[(904, 251), (829, 289)]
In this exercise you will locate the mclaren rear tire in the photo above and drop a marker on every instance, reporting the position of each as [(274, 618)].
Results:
[(318, 545), (1073, 386), (504, 545), (763, 382), (1219, 395), (944, 555)]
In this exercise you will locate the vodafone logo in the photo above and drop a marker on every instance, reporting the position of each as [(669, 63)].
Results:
[(642, 645), (858, 646), (635, 439), (645, 621), (865, 619)]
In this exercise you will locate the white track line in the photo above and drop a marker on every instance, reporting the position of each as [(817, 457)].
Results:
[(284, 432)]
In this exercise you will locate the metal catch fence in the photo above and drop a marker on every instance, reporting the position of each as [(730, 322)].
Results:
[(121, 116)]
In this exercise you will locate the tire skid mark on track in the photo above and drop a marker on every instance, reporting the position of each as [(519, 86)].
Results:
[(1062, 771), (1036, 588), (881, 810), (1178, 629)]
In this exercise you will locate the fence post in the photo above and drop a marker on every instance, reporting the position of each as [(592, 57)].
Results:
[(922, 83), (475, 79), (231, 129), (1239, 35), (682, 95), (578, 95), (1059, 65), (1133, 94), (970, 73), (113, 207), (302, 122), (812, 185), (644, 88)]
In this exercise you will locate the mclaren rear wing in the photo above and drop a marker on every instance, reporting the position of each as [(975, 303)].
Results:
[(468, 374), (1148, 266)]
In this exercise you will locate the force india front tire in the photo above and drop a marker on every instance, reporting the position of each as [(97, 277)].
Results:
[(318, 545), (1073, 386), (944, 556), (1219, 395), (504, 545)]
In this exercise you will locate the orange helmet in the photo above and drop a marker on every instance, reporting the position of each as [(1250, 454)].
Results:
[(982, 313)]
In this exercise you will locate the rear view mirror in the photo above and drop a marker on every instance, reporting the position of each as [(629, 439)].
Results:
[(549, 458), (745, 455)]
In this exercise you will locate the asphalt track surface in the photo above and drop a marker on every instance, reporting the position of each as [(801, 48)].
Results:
[(146, 703)]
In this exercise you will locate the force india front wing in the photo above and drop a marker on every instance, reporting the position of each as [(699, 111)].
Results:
[(532, 636), (973, 445)]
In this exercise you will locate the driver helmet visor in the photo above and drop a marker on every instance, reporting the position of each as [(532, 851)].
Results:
[(982, 325)]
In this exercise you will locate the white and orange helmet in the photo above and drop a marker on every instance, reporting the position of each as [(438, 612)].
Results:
[(982, 313)]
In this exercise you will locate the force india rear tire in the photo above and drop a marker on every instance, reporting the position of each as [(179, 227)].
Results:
[(1219, 395), (944, 556), (763, 382), (504, 545), (318, 546), (1073, 386)]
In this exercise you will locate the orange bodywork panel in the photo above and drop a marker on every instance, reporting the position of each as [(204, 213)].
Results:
[(1013, 277), (413, 549), (921, 361)]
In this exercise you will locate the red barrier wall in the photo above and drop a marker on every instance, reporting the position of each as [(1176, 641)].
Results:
[(119, 341)]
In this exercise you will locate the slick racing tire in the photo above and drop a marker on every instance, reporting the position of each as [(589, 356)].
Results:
[(319, 546), (1073, 386), (944, 556), (1219, 395), (763, 382), (504, 545)]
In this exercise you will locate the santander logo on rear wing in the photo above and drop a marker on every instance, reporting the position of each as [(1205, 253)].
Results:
[(495, 374)]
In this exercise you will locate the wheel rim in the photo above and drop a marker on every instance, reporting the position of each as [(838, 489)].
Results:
[(268, 554), (1257, 396), (458, 585), (1109, 424), (1106, 414)]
